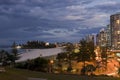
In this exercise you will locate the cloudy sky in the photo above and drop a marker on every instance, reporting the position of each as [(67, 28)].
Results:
[(53, 20)]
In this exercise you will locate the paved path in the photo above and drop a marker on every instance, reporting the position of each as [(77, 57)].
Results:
[(36, 79)]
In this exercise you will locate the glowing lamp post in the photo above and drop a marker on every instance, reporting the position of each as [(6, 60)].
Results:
[(51, 66), (51, 61)]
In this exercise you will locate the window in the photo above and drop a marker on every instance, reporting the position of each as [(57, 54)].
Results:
[(118, 21), (118, 32)]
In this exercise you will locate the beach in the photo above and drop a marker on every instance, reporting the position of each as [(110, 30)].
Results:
[(34, 53)]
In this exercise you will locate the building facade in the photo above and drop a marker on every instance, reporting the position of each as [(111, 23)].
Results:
[(108, 36), (115, 31), (90, 38), (101, 38)]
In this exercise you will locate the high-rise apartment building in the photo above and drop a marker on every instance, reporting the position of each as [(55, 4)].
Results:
[(115, 31), (101, 38), (90, 38), (108, 36)]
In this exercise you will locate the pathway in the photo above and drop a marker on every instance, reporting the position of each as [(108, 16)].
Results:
[(36, 79)]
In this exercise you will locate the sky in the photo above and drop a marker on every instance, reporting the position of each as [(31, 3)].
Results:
[(53, 20)]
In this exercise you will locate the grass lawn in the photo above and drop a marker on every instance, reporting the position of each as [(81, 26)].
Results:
[(18, 74)]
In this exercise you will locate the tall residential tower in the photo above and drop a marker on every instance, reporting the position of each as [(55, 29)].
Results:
[(115, 31)]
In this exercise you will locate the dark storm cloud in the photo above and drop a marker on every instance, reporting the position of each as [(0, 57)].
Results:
[(110, 7), (53, 20), (87, 2), (11, 2)]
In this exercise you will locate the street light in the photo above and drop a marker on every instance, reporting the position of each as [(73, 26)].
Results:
[(51, 61), (51, 66)]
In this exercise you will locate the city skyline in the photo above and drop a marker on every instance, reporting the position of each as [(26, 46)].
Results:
[(53, 20)]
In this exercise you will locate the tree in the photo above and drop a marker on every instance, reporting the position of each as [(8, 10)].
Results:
[(67, 55), (84, 51), (61, 57), (41, 64), (14, 55), (88, 69), (104, 52), (6, 58), (3, 57), (90, 48), (69, 50), (83, 55), (37, 64)]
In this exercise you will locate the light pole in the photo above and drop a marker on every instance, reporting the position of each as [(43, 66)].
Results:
[(51, 66)]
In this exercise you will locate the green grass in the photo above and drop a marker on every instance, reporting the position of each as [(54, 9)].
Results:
[(18, 74)]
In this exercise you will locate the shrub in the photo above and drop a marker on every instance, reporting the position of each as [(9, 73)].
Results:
[(38, 64)]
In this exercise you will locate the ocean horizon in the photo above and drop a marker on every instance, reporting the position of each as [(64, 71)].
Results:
[(9, 49)]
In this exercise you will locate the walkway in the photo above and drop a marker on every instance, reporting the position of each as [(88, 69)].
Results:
[(36, 79)]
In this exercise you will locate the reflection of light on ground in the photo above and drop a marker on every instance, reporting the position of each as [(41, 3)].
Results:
[(112, 67)]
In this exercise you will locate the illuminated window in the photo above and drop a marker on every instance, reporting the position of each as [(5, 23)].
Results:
[(118, 42), (118, 21), (118, 32)]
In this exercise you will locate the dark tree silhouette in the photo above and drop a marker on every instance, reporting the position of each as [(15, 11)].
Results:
[(14, 52), (37, 44), (84, 54), (3, 57), (84, 51)]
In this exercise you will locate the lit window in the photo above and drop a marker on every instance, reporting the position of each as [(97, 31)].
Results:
[(118, 32), (118, 42), (118, 21)]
